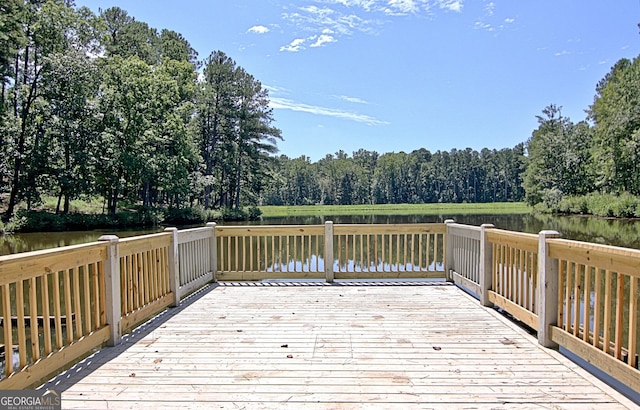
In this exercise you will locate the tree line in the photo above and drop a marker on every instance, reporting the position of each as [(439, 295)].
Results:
[(102, 105), (417, 177)]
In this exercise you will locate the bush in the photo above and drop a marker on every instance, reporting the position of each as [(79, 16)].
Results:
[(624, 205), (551, 199), (43, 221), (186, 216), (234, 214), (255, 213)]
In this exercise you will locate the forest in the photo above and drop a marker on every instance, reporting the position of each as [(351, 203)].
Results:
[(105, 106)]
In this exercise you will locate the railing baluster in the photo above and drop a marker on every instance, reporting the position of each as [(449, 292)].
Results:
[(586, 323), (66, 279), (8, 329), (76, 303), (608, 300), (87, 299), (22, 343), (44, 281), (619, 314), (57, 303), (33, 312), (634, 307)]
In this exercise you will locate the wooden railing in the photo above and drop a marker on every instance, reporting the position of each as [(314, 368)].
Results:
[(515, 273), (264, 252), (59, 305), (196, 257), (581, 296), (599, 305), (330, 252), (52, 305), (145, 286), (464, 256), (388, 251)]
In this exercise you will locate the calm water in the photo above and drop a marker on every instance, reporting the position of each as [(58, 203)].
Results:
[(606, 231)]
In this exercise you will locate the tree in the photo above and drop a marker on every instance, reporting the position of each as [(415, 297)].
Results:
[(559, 158), (616, 114), (255, 138), (70, 87), (214, 111), (48, 28)]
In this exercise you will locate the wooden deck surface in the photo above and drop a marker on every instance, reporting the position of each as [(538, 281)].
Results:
[(343, 346)]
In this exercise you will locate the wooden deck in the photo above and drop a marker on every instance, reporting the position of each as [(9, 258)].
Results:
[(316, 345)]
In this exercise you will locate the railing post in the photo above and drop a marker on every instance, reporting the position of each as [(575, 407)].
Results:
[(213, 252), (547, 292), (174, 268), (448, 252), (486, 263), (328, 251), (113, 310)]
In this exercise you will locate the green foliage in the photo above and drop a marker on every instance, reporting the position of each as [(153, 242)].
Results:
[(186, 216), (559, 159), (44, 221), (624, 205), (617, 128), (241, 214), (418, 177), (254, 213)]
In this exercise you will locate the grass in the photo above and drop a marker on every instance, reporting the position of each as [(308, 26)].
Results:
[(398, 209), (93, 205)]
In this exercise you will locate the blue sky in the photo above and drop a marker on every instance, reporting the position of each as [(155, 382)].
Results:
[(399, 75)]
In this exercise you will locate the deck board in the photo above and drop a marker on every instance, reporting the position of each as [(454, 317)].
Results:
[(321, 346)]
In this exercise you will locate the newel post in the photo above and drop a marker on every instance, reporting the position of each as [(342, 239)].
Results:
[(213, 252), (174, 268), (448, 251), (113, 310), (547, 292), (328, 251), (486, 265)]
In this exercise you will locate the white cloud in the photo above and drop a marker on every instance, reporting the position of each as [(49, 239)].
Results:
[(295, 46), (350, 99), (322, 40), (483, 26), (258, 30), (451, 5), (402, 6), (337, 19), (489, 8), (287, 104), (562, 53), (276, 89), (509, 20)]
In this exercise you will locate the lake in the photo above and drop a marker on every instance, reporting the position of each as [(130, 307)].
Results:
[(618, 232)]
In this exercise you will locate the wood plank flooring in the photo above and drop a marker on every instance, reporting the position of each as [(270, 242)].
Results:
[(343, 346)]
